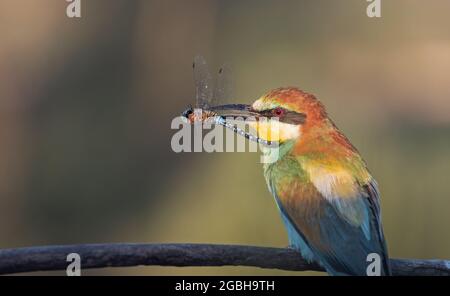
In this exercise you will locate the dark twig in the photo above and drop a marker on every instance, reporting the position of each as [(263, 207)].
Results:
[(108, 255)]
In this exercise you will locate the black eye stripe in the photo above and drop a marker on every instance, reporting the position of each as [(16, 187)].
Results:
[(288, 116), (293, 117)]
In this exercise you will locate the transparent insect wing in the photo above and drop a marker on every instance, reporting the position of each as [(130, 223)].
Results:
[(224, 86), (203, 83)]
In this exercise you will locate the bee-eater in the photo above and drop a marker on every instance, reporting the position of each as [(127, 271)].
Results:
[(328, 200)]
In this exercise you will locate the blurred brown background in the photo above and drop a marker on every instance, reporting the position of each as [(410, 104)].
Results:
[(86, 106)]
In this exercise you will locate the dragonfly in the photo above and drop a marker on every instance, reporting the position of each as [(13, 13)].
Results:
[(209, 99)]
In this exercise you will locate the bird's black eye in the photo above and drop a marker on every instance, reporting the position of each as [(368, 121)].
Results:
[(187, 112)]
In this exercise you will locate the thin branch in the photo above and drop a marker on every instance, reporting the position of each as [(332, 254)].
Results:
[(115, 255)]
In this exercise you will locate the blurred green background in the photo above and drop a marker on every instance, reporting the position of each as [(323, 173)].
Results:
[(86, 106)]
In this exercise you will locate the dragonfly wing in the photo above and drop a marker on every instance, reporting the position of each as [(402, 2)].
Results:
[(203, 83), (224, 86)]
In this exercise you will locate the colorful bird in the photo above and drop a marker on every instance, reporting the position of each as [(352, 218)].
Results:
[(328, 200)]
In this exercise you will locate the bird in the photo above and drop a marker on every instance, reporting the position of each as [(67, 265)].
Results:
[(328, 200)]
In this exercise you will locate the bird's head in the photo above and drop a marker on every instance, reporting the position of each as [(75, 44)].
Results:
[(281, 115)]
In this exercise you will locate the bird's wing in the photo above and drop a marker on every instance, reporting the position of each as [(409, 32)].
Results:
[(340, 231)]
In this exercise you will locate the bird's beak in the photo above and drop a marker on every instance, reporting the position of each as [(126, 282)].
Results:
[(242, 112), (236, 111), (267, 128)]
